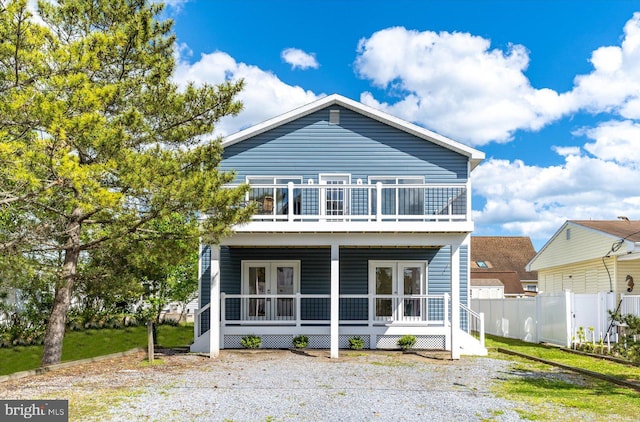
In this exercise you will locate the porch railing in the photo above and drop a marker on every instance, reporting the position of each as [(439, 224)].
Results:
[(197, 320), (363, 309), (359, 202), (472, 322)]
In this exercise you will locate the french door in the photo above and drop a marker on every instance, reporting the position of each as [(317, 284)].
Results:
[(335, 198), (394, 283), (271, 287)]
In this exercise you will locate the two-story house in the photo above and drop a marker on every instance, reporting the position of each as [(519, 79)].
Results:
[(363, 229)]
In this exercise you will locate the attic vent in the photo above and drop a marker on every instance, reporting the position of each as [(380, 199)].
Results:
[(334, 117), (568, 234)]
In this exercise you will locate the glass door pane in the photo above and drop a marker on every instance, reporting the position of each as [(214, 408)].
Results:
[(336, 199), (257, 284), (411, 285), (284, 286), (384, 286)]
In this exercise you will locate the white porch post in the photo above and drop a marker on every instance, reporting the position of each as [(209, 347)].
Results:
[(335, 300), (455, 300), (214, 310)]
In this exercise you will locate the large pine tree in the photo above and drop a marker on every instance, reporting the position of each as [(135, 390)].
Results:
[(96, 140)]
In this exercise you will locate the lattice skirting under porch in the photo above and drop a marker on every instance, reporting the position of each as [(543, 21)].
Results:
[(422, 342), (279, 341)]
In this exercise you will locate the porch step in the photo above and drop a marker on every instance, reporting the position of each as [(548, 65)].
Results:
[(470, 346), (201, 344)]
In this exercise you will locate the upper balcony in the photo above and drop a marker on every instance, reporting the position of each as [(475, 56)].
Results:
[(373, 207)]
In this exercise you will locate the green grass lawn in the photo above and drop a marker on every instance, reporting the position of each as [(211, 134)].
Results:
[(91, 343), (584, 398)]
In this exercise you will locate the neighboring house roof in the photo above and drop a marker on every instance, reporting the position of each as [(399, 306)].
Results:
[(503, 253), (475, 156), (623, 229), (488, 282)]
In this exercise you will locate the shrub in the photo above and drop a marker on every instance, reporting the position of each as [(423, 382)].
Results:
[(251, 342), (407, 342), (356, 343), (300, 342)]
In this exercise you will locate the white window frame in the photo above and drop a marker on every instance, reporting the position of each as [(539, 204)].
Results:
[(374, 179), (322, 180), (397, 285), (274, 180), (271, 277), (395, 181), (271, 272)]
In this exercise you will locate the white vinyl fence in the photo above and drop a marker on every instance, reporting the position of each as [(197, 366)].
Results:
[(630, 305), (552, 317)]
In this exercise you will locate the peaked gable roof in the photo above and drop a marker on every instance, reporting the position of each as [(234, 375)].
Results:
[(622, 229), (503, 254), (475, 156)]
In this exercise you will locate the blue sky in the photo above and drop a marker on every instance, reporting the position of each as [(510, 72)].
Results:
[(549, 90)]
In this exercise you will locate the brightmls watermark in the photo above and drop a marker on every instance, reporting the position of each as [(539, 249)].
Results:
[(34, 410)]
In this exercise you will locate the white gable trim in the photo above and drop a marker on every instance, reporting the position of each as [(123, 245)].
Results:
[(474, 155), (630, 246)]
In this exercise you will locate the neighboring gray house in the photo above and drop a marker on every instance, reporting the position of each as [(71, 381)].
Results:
[(363, 229)]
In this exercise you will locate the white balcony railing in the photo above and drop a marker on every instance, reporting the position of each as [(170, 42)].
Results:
[(360, 202), (299, 309)]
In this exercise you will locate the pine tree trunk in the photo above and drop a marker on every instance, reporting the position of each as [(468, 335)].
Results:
[(54, 335)]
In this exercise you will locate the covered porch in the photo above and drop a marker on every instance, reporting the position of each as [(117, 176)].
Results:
[(377, 287)]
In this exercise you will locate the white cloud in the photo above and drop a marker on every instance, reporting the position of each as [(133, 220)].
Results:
[(264, 95), (534, 201), (614, 84), (455, 84), (299, 59), (617, 141)]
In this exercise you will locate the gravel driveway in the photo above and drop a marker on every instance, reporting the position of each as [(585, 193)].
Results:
[(278, 385)]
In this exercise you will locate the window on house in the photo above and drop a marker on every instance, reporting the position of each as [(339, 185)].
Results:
[(271, 286), (272, 194), (403, 201), (396, 285), (482, 264)]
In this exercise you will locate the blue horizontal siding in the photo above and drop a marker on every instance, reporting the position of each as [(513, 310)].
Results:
[(359, 146), (315, 266)]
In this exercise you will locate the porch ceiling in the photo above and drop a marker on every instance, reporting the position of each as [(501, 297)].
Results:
[(423, 228)]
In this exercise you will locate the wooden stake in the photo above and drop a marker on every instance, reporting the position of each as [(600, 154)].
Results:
[(150, 340)]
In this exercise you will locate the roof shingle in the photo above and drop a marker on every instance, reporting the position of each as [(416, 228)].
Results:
[(624, 229), (503, 253)]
